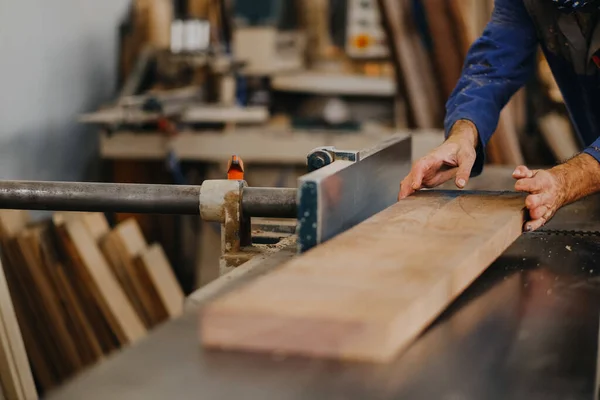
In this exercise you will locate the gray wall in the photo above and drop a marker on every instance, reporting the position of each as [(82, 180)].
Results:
[(58, 58)]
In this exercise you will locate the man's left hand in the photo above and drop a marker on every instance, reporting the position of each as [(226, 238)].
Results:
[(549, 190), (547, 193)]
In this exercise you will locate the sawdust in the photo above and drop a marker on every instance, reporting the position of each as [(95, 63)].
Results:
[(285, 243)]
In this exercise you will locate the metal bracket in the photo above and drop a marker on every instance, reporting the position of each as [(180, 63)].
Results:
[(338, 195), (221, 201), (324, 156)]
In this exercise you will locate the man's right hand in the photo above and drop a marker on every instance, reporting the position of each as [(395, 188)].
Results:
[(453, 159)]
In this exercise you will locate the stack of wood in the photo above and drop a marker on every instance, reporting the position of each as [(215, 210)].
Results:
[(148, 24), (429, 44), (81, 290)]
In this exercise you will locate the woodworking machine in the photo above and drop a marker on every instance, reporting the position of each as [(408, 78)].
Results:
[(341, 189), (526, 329)]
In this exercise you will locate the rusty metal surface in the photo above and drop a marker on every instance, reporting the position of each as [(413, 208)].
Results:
[(526, 329), (137, 198), (102, 197)]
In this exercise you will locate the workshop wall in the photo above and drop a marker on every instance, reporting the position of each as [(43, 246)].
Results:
[(59, 58)]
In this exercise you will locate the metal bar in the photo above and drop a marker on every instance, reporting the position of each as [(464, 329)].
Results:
[(270, 202), (100, 197), (136, 198)]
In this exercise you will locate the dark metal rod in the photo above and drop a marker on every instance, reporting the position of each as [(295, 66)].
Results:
[(269, 202), (136, 198), (100, 197)]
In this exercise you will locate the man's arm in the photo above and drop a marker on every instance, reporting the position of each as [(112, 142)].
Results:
[(497, 65)]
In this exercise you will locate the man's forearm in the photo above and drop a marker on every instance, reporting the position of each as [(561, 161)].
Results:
[(579, 177)]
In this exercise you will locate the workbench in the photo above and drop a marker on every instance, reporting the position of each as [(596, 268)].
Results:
[(526, 329), (255, 146)]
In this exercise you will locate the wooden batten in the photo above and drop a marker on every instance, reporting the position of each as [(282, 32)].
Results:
[(157, 274), (94, 272)]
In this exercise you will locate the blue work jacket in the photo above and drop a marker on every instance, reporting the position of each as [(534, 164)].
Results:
[(501, 61)]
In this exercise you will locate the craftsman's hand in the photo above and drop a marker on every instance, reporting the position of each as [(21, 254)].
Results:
[(453, 159), (547, 193), (552, 189)]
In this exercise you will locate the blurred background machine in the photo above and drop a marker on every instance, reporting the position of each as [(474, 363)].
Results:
[(365, 36)]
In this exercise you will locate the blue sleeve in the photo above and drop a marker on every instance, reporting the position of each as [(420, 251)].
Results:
[(497, 65), (594, 150)]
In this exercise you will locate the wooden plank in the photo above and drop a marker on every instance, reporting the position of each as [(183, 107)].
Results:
[(146, 270), (192, 114), (413, 75), (71, 264), (96, 223), (224, 114), (88, 343), (15, 372), (426, 74), (44, 374), (76, 321), (156, 273), (42, 286), (120, 247), (254, 146), (12, 222), (94, 272), (121, 266), (370, 291), (334, 84), (131, 236), (156, 17), (446, 46), (315, 16)]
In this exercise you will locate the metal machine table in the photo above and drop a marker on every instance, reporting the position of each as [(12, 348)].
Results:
[(526, 329)]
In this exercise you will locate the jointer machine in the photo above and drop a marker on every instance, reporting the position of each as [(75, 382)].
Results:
[(526, 329)]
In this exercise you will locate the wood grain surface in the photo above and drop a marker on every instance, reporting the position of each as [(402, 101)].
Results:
[(15, 372), (94, 271), (120, 246), (155, 272), (12, 223), (369, 292)]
